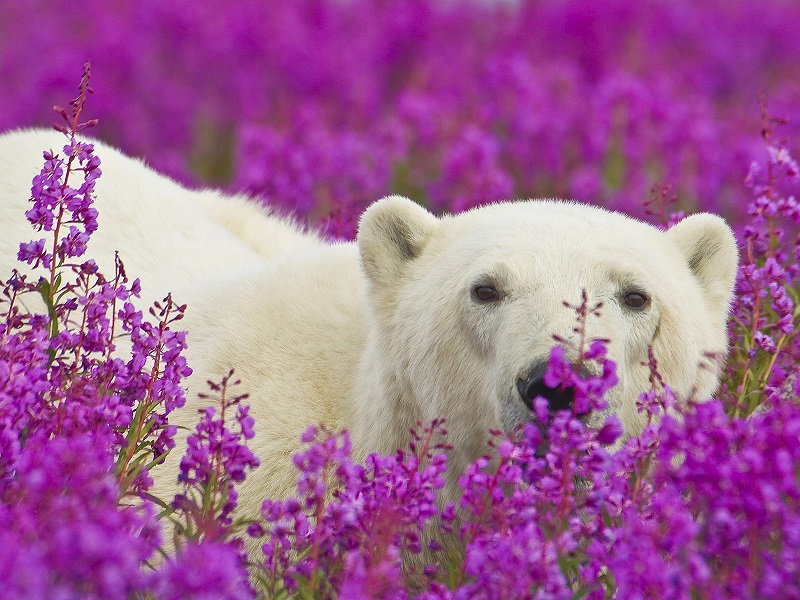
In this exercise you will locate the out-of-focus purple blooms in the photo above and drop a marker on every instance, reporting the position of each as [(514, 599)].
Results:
[(313, 171), (63, 532), (471, 174), (318, 105), (610, 432), (207, 571)]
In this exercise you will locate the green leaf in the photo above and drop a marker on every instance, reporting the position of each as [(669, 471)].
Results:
[(166, 508), (43, 287)]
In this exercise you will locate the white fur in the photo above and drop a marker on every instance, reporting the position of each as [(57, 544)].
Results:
[(172, 238), (378, 334)]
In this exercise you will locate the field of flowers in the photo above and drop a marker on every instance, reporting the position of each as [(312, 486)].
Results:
[(319, 107)]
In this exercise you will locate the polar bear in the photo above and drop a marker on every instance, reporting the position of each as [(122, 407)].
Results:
[(420, 317)]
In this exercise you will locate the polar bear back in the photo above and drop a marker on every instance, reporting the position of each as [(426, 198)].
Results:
[(170, 236)]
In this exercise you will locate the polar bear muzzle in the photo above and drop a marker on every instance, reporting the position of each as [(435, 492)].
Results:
[(533, 385)]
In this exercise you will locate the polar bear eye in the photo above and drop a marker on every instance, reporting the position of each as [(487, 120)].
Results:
[(637, 300), (485, 293)]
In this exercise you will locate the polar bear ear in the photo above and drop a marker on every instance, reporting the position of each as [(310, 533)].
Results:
[(709, 246), (392, 232)]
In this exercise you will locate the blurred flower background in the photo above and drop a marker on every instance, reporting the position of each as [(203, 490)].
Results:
[(322, 106)]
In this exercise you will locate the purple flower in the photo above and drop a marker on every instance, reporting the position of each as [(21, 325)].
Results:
[(610, 431), (203, 572), (63, 531), (73, 440), (351, 524), (34, 254), (216, 458)]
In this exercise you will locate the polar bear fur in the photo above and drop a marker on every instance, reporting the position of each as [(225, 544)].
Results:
[(375, 335), (191, 236)]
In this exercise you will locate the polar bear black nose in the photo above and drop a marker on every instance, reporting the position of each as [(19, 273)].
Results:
[(533, 385)]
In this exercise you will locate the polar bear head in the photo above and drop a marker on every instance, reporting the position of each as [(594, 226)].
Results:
[(464, 309)]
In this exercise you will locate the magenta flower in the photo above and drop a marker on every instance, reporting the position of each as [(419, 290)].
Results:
[(203, 572), (216, 458)]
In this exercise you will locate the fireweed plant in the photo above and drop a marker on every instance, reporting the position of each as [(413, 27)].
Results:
[(215, 460), (704, 504), (81, 427), (345, 532)]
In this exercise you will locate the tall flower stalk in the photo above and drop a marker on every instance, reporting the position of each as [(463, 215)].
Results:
[(81, 424), (763, 363)]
